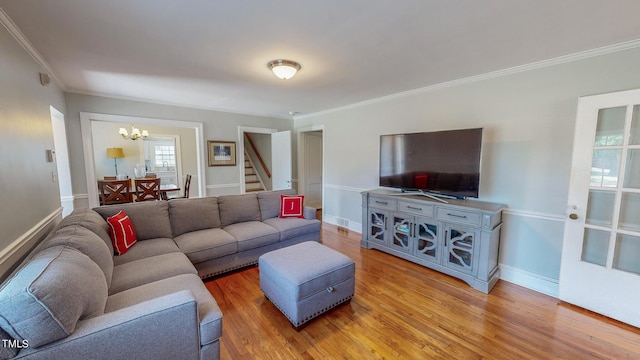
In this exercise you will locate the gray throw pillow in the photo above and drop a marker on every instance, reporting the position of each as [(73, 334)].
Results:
[(44, 300)]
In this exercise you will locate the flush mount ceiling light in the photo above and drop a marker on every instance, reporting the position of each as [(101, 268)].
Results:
[(284, 69)]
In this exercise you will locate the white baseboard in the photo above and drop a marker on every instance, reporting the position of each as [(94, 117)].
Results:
[(529, 280), (333, 220)]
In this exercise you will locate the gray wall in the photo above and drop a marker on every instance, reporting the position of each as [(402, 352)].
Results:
[(29, 195), (528, 119), (217, 126)]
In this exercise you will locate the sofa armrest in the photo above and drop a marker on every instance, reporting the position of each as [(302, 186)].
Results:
[(163, 328), (309, 212)]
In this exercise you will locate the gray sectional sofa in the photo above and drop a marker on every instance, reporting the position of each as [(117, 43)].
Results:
[(71, 298)]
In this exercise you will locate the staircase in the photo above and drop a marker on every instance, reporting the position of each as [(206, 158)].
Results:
[(251, 181)]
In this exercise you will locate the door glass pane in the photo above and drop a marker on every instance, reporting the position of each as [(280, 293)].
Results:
[(609, 131), (634, 138), (627, 253), (629, 212), (632, 172), (600, 207), (604, 168), (595, 246)]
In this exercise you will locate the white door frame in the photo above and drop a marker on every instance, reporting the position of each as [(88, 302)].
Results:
[(240, 154), (302, 149), (61, 158), (87, 146)]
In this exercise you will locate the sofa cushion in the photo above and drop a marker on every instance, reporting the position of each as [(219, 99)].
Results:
[(208, 310), (122, 232), (270, 202), (88, 243), (91, 220), (147, 248), (206, 244), (45, 299), (238, 208), (147, 270), (193, 214), (150, 218), (293, 227), (253, 234)]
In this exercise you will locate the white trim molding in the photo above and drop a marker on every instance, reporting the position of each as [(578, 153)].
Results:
[(534, 215), (609, 49), (37, 231), (536, 282)]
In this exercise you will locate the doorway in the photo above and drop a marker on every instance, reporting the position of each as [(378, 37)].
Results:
[(279, 149), (310, 165), (194, 150), (600, 270), (61, 158)]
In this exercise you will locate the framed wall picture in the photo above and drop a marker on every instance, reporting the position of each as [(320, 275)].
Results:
[(221, 153)]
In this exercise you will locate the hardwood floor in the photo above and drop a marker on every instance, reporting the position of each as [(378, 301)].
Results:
[(404, 311)]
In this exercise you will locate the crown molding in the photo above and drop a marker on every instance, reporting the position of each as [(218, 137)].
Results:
[(178, 104), (609, 49), (13, 29)]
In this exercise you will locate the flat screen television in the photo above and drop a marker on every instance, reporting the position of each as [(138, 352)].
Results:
[(443, 163)]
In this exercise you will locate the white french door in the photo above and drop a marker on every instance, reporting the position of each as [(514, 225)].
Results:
[(600, 268)]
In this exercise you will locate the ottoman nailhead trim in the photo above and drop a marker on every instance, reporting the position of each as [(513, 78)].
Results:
[(229, 269), (314, 315)]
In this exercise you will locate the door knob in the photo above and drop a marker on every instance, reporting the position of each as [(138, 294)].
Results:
[(573, 216)]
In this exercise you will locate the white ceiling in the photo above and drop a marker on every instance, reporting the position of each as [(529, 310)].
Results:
[(214, 54)]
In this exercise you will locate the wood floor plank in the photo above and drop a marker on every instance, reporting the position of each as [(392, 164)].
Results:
[(405, 311)]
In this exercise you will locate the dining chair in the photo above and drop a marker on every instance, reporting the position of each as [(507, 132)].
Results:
[(114, 191), (147, 189), (110, 178), (187, 185), (150, 176)]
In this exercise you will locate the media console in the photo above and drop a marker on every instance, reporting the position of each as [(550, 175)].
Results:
[(460, 238)]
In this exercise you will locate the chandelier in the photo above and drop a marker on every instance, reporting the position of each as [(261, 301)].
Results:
[(135, 133)]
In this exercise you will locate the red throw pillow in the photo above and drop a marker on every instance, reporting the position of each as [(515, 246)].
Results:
[(122, 233), (292, 206)]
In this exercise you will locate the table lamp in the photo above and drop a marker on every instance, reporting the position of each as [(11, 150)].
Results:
[(115, 153)]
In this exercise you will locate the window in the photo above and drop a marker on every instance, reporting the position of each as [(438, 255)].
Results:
[(165, 155)]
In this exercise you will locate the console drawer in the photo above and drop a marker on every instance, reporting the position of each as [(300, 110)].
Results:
[(383, 203), (416, 209), (464, 217)]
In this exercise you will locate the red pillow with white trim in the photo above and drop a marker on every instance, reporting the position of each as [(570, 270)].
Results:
[(292, 206), (122, 233)]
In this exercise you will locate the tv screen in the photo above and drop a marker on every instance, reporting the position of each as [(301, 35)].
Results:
[(439, 162)]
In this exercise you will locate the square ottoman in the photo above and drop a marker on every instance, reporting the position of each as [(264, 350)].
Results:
[(306, 280)]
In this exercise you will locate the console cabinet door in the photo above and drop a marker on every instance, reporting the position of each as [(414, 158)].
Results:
[(402, 233), (460, 248), (426, 240), (378, 226)]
